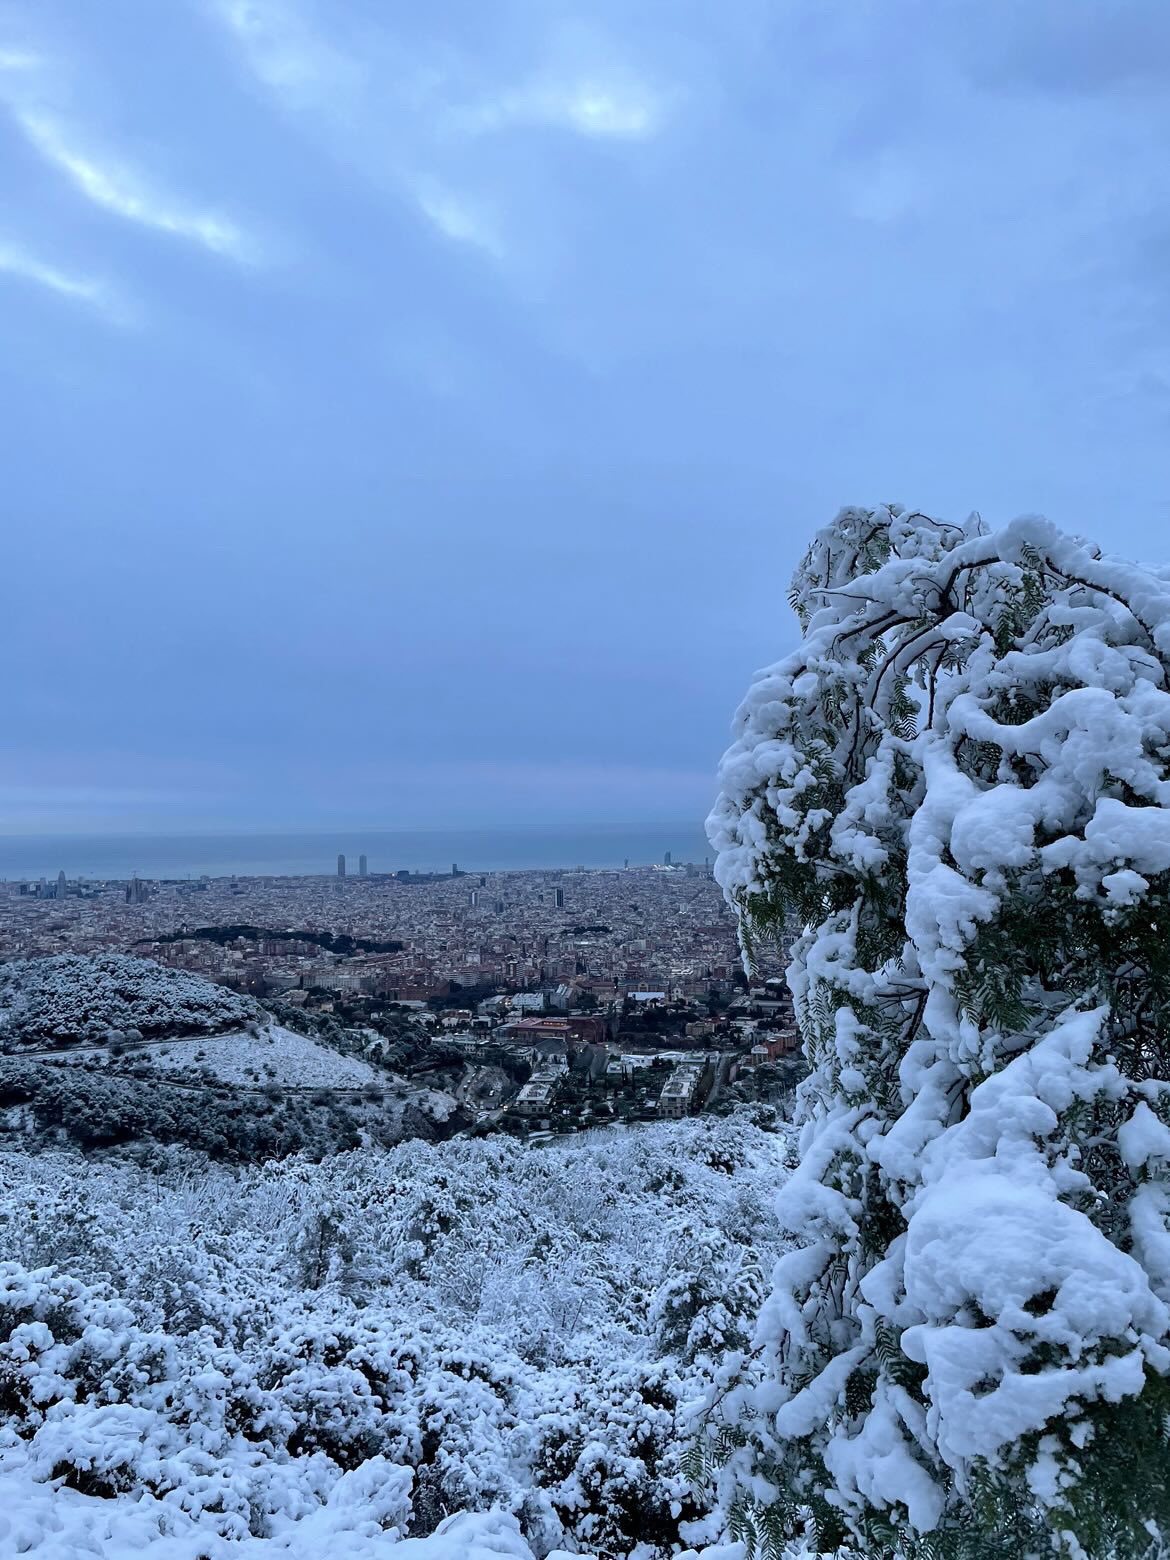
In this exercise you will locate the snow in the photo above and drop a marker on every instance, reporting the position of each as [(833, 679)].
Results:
[(971, 740), (1144, 1140), (78, 999), (296, 1061), (360, 1519), (300, 1358)]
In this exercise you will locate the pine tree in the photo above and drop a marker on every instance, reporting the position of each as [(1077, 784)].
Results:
[(956, 795)]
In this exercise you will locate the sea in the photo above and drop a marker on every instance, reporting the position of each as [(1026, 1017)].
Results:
[(112, 856)]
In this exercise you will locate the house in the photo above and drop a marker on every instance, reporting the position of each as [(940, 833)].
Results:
[(538, 1095), (679, 1092)]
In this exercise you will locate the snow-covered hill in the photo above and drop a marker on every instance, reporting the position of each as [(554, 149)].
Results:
[(278, 1055), (77, 999), (311, 1358)]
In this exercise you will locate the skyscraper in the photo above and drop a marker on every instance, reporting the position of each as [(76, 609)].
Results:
[(340, 865), (560, 898), (60, 885), (363, 867), (666, 860)]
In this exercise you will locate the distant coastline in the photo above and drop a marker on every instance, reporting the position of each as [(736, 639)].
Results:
[(315, 854)]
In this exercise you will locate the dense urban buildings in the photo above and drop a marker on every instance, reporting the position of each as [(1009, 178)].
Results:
[(544, 996)]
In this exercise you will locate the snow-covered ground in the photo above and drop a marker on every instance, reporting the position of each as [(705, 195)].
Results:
[(276, 1055)]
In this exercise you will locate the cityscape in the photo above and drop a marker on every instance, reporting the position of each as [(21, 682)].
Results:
[(541, 1001)]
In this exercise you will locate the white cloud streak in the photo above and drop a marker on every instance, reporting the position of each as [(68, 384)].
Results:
[(603, 106), (16, 261), (460, 221), (117, 189)]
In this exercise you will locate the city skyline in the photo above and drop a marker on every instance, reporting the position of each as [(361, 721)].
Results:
[(246, 853)]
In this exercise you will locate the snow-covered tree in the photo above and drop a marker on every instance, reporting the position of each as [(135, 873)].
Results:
[(955, 798)]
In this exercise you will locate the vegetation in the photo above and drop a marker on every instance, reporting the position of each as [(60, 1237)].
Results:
[(959, 785), (340, 943)]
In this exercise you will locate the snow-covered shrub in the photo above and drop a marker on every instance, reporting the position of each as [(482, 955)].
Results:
[(228, 1345), (627, 1485), (956, 795), (708, 1302)]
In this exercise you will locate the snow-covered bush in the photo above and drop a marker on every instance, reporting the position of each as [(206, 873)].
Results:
[(72, 998), (956, 796), (228, 1346)]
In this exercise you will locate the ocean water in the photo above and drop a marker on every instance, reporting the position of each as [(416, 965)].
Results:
[(304, 855)]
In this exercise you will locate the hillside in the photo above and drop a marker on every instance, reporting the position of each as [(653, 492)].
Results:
[(275, 1055), (82, 999), (318, 1354)]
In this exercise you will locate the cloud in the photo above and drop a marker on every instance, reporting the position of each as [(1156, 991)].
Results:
[(18, 60), (15, 261), (416, 119), (615, 106), (117, 189), (460, 220), (287, 56)]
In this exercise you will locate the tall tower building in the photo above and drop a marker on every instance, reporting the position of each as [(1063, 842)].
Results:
[(340, 865), (666, 860), (363, 867), (473, 898), (60, 885), (560, 898)]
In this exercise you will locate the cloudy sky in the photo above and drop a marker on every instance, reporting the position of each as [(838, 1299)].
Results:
[(412, 413)]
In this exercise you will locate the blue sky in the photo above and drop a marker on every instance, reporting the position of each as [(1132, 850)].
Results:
[(412, 414)]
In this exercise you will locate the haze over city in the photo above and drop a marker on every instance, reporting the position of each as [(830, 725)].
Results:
[(412, 416)]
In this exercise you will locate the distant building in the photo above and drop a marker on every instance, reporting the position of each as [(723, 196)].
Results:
[(678, 1097), (60, 885), (537, 1096), (666, 860), (529, 1002), (454, 869), (363, 867), (340, 865), (473, 898), (560, 898)]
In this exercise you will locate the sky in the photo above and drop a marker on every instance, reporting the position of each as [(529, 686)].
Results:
[(410, 415)]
